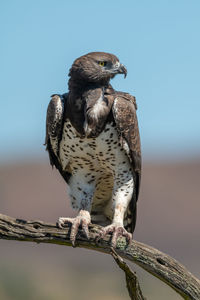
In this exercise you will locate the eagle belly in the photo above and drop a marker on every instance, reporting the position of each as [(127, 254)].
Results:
[(102, 176)]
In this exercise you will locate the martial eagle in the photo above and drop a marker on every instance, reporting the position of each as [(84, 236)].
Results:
[(92, 138)]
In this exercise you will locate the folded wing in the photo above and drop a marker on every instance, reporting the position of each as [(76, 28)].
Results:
[(54, 129), (124, 112)]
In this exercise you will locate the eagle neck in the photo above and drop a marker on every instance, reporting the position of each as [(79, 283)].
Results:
[(79, 86), (89, 105)]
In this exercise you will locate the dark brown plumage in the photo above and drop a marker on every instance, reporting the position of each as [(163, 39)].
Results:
[(93, 140)]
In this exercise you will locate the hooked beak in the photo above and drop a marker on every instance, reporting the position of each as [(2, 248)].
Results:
[(122, 70)]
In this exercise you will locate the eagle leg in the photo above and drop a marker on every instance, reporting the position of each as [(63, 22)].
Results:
[(117, 230), (83, 219)]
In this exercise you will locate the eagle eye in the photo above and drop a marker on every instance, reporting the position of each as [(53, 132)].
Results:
[(102, 63)]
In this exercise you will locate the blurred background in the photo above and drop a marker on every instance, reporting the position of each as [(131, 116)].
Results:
[(158, 41)]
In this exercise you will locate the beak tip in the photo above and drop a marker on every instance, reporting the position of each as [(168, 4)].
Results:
[(123, 70)]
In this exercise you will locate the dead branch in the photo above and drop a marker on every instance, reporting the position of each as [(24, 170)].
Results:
[(132, 282), (150, 259)]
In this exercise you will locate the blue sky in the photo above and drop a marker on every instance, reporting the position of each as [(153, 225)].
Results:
[(158, 41)]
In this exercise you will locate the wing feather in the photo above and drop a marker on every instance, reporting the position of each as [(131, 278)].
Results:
[(124, 112), (54, 128)]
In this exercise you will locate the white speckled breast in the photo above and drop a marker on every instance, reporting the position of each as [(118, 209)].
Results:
[(96, 165)]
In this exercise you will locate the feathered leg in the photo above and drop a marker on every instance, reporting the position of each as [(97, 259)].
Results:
[(81, 194), (122, 194)]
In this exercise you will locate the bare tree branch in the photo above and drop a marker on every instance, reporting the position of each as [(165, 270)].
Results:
[(152, 260), (132, 282)]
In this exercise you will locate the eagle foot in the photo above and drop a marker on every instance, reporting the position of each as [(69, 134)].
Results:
[(117, 230), (83, 219)]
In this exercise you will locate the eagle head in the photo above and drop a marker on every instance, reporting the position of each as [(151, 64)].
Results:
[(96, 67)]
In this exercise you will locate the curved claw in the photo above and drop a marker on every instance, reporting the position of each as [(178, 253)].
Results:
[(62, 221), (82, 219), (117, 231)]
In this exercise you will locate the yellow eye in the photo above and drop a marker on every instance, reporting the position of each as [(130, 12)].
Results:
[(101, 63)]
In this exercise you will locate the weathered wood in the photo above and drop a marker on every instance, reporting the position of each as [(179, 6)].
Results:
[(132, 282), (150, 259)]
